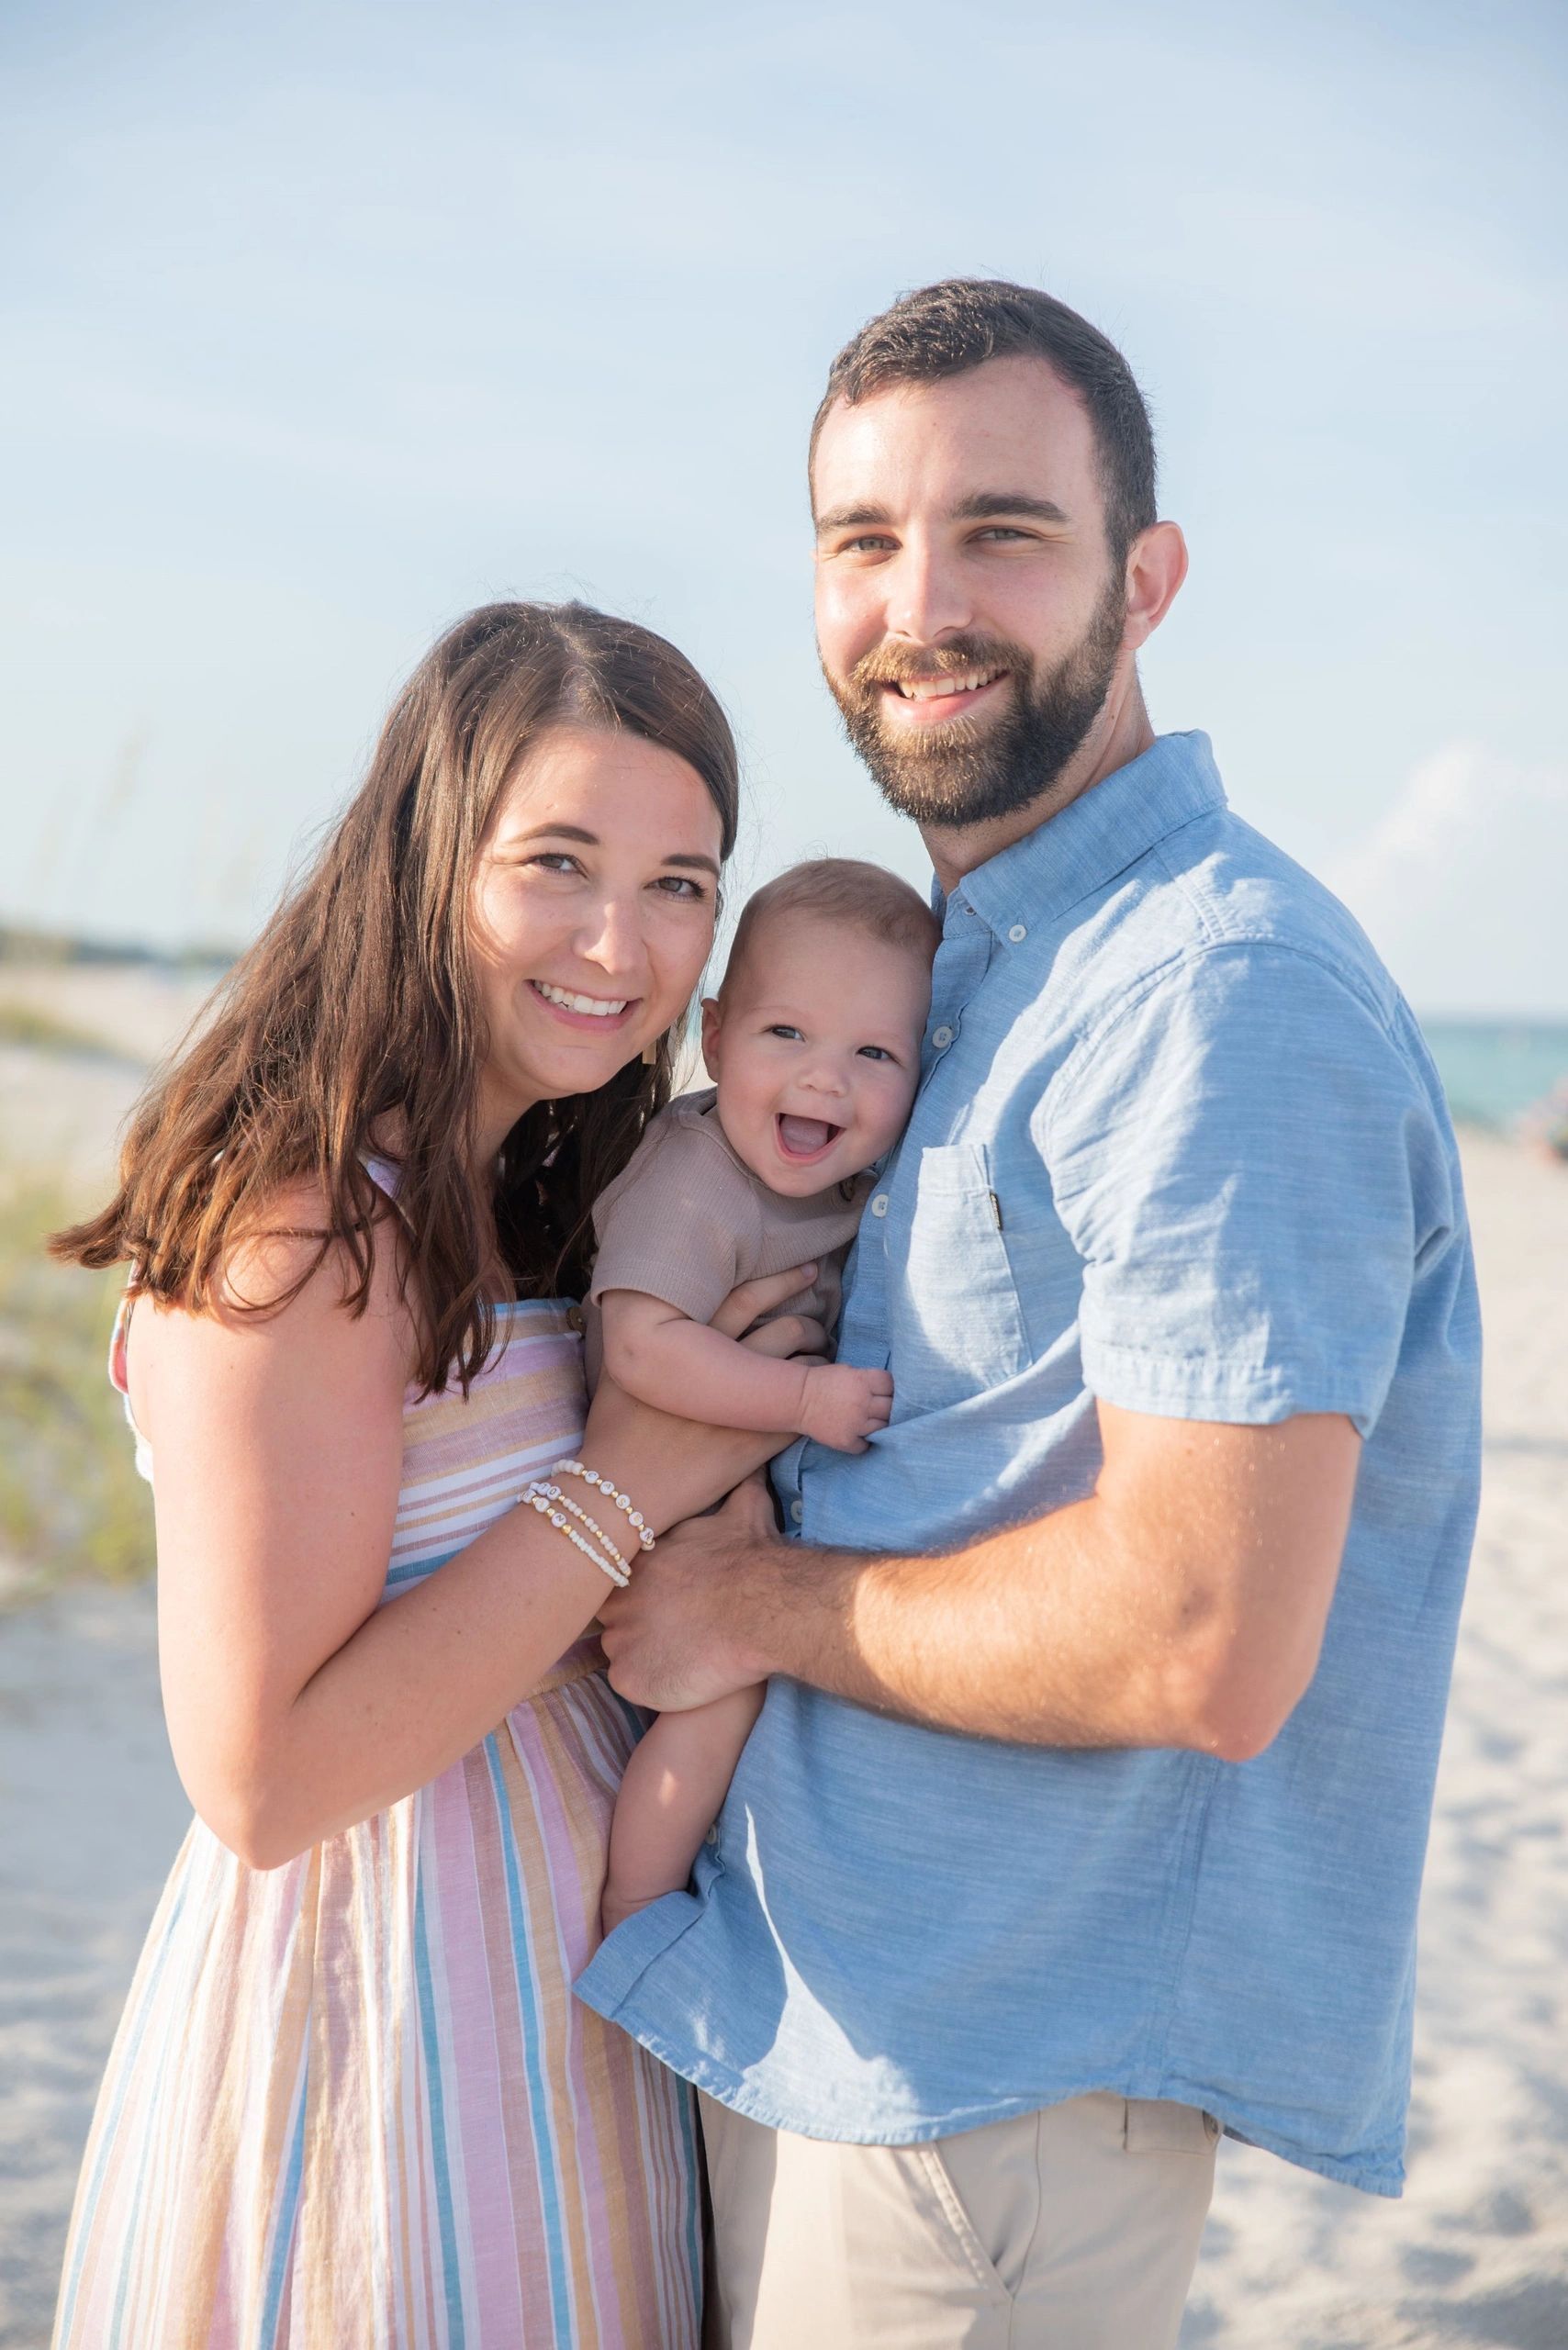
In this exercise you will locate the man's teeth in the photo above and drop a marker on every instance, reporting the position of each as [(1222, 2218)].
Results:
[(601, 1007), (968, 681)]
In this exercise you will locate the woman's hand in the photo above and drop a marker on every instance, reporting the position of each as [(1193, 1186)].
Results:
[(790, 1334), (674, 1468)]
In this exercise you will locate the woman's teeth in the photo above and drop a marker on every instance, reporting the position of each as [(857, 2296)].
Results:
[(966, 681), (600, 1007)]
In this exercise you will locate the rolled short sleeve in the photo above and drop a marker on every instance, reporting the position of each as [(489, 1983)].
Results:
[(677, 1224), (1237, 1161)]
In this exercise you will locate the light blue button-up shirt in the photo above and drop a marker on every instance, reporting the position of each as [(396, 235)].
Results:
[(1178, 1145)]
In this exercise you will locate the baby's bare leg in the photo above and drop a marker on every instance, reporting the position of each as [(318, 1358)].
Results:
[(670, 1796)]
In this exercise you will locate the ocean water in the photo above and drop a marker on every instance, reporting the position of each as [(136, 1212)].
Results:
[(1491, 1070)]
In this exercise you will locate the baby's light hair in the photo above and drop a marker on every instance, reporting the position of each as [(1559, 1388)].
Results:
[(866, 898)]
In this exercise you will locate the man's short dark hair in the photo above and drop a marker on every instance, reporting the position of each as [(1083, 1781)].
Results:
[(945, 329)]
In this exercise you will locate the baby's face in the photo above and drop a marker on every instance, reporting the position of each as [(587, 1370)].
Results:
[(816, 1050)]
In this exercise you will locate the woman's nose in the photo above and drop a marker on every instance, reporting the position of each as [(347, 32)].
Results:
[(612, 936)]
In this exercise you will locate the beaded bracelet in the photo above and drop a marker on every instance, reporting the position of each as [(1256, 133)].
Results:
[(537, 1494), (577, 1510), (638, 1523)]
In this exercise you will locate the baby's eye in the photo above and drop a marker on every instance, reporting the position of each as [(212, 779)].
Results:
[(783, 1028), (877, 1053)]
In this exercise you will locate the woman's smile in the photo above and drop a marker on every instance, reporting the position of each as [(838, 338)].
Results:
[(580, 1010)]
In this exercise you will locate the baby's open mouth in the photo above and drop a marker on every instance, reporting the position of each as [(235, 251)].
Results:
[(805, 1138)]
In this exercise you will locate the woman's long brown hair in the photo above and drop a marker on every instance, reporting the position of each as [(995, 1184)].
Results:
[(358, 1001)]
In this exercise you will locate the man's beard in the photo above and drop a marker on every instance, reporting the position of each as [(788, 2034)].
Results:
[(964, 771)]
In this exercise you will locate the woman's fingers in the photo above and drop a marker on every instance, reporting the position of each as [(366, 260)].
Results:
[(787, 1333), (743, 1305)]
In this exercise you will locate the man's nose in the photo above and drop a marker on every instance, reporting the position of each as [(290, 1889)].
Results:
[(926, 597)]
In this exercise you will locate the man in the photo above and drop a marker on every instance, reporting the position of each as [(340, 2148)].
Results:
[(1086, 1814)]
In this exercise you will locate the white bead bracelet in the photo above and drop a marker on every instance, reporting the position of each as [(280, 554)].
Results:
[(540, 1499)]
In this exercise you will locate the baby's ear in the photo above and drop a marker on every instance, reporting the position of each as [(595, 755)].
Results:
[(712, 1024)]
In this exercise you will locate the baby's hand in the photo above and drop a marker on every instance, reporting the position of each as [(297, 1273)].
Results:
[(843, 1406)]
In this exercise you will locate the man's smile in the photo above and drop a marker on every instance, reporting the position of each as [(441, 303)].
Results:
[(926, 701)]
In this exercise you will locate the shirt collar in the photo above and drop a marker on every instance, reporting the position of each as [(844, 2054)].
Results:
[(1096, 837)]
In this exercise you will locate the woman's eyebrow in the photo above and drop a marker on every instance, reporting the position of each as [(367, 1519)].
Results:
[(591, 840)]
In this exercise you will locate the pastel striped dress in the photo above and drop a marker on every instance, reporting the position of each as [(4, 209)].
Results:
[(352, 2104)]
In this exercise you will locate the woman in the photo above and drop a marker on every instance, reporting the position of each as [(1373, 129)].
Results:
[(351, 2101)]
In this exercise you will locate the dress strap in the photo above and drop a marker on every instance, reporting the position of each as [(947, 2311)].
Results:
[(120, 1376)]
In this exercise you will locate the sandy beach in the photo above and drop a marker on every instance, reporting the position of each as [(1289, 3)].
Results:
[(91, 1814)]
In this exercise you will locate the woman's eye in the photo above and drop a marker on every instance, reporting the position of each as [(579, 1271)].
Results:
[(680, 885), (555, 860)]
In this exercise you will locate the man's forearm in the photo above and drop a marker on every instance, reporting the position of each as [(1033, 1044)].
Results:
[(1001, 1640), (1182, 1603)]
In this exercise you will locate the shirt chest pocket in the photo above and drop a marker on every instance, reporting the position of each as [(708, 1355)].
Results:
[(953, 1319)]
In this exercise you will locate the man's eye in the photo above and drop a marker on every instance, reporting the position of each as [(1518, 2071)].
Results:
[(869, 545), (1002, 531)]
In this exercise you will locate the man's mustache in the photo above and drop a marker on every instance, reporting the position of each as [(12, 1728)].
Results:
[(897, 665)]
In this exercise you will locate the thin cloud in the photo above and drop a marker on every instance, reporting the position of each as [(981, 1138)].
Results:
[(1460, 882)]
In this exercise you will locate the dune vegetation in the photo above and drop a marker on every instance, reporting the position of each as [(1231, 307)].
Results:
[(70, 1501)]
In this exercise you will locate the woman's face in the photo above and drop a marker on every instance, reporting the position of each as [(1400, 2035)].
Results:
[(593, 906)]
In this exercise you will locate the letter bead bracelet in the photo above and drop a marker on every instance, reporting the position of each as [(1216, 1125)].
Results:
[(635, 1518)]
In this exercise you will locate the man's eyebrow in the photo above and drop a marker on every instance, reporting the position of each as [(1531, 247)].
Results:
[(849, 518), (981, 504), (591, 840)]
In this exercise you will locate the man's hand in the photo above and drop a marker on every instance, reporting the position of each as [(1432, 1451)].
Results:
[(843, 1406), (674, 1637)]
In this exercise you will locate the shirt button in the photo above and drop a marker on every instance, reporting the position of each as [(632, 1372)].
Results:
[(880, 1204), (1017, 933), (941, 1038), (712, 1835), (797, 1511)]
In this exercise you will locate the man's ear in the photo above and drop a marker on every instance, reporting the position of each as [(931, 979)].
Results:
[(1157, 565), (712, 1025)]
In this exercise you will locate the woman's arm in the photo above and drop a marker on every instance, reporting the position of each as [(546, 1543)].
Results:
[(298, 1705)]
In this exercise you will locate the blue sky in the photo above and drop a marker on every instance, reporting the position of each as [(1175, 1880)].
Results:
[(324, 323)]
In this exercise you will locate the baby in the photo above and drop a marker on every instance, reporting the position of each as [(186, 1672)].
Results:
[(813, 1043)]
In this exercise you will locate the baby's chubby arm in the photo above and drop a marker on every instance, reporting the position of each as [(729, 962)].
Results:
[(661, 1356)]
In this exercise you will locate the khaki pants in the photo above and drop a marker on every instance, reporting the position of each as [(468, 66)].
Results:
[(1075, 2228)]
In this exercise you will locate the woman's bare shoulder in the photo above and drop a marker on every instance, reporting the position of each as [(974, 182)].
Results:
[(286, 1274)]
